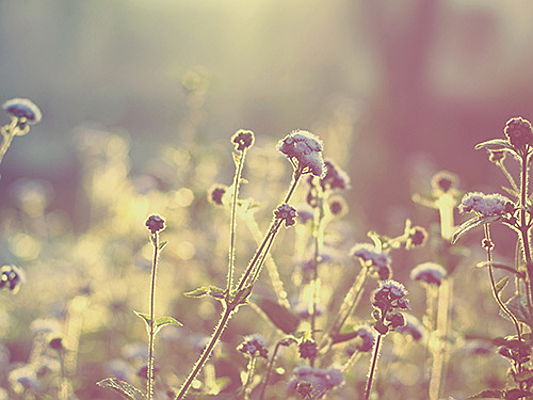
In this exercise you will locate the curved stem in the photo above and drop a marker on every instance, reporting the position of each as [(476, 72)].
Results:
[(233, 220), (524, 228), (372, 368), (509, 177), (269, 370), (151, 336)]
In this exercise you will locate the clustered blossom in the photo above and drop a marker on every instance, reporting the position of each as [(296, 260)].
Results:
[(243, 139), (363, 342), (286, 213), (379, 260), (11, 277), (155, 223), (429, 273), (519, 132), (304, 150), (24, 110), (387, 300), (486, 204), (314, 383), (308, 349), (253, 345), (412, 327), (334, 178), (443, 182), (216, 193)]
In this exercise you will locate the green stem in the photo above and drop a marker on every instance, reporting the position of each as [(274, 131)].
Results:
[(233, 220), (373, 366), (151, 336), (269, 371)]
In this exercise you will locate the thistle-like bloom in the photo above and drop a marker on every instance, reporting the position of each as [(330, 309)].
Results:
[(243, 139), (11, 277), (519, 132), (253, 345), (486, 204), (316, 382), (378, 260), (286, 213), (216, 193), (308, 349), (443, 182), (155, 223), (304, 150), (429, 273), (24, 110), (334, 178), (387, 300)]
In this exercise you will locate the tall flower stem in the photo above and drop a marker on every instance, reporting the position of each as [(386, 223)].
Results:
[(233, 218), (373, 366), (524, 225), (8, 133), (269, 370), (315, 283), (250, 370), (151, 335)]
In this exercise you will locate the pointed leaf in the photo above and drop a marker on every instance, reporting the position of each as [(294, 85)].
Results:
[(126, 390), (494, 144), (500, 266), (281, 317), (203, 291), (518, 305), (145, 318), (501, 284), (471, 224), (164, 321), (162, 245), (488, 394)]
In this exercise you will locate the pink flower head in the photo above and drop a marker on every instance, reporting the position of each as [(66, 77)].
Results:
[(304, 150), (486, 204)]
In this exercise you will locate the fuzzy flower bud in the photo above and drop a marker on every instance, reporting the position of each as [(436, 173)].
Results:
[(305, 150), (253, 345), (486, 204), (216, 193), (24, 110), (308, 349), (243, 139), (519, 132), (429, 273), (155, 223), (287, 213), (11, 277), (378, 261)]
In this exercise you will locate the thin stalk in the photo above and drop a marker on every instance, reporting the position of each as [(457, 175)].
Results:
[(233, 220), (509, 177), (8, 133), (373, 366), (250, 370), (524, 227), (351, 361), (295, 179), (439, 346), (261, 261), (315, 283), (63, 390), (151, 336), (269, 371)]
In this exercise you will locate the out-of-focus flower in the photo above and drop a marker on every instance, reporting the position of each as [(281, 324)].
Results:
[(243, 139), (430, 273), (302, 310), (24, 110), (337, 206), (155, 223), (11, 277), (308, 349), (286, 213), (486, 204), (304, 150), (142, 371), (24, 379), (443, 182), (56, 343), (46, 326), (412, 327), (519, 132), (253, 345), (380, 261), (334, 178), (316, 381), (363, 342), (416, 237), (120, 369), (305, 215), (216, 193), (136, 351)]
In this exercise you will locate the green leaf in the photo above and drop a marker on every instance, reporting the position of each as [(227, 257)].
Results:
[(159, 322), (471, 224), (162, 245), (501, 284), (281, 317), (488, 394), (126, 390), (494, 144), (203, 291), (144, 317)]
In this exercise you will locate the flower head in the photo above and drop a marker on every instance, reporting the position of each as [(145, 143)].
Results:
[(11, 277), (429, 273), (337, 206), (387, 300), (315, 382), (486, 204), (308, 349), (519, 132), (379, 261), (216, 193), (363, 342), (334, 178), (305, 150), (412, 327), (304, 216), (443, 182), (243, 139), (286, 213), (24, 110), (416, 237), (253, 345), (155, 223)]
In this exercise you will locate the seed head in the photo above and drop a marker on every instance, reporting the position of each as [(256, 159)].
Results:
[(519, 132), (304, 150), (243, 139), (286, 213), (24, 110), (155, 223)]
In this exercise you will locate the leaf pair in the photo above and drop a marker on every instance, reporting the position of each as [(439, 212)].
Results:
[(159, 322)]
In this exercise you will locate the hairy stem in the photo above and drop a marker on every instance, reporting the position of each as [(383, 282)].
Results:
[(250, 370), (373, 366), (524, 227), (151, 336)]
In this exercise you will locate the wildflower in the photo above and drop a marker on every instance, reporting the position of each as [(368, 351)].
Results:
[(486, 204), (56, 343), (519, 132), (416, 237), (304, 389), (24, 110), (155, 224), (364, 341), (308, 349), (253, 345), (443, 182), (243, 139), (11, 277), (304, 150), (337, 206), (429, 273), (24, 379), (334, 178), (304, 216), (412, 327), (315, 382), (379, 261), (216, 193), (286, 213), (387, 300)]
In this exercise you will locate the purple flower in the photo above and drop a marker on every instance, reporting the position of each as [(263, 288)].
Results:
[(412, 327), (486, 204), (316, 381), (443, 182), (304, 150), (243, 139), (519, 132), (216, 193), (253, 345), (363, 342), (23, 109), (334, 178), (11, 277), (155, 223), (286, 213), (308, 349), (429, 273)]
